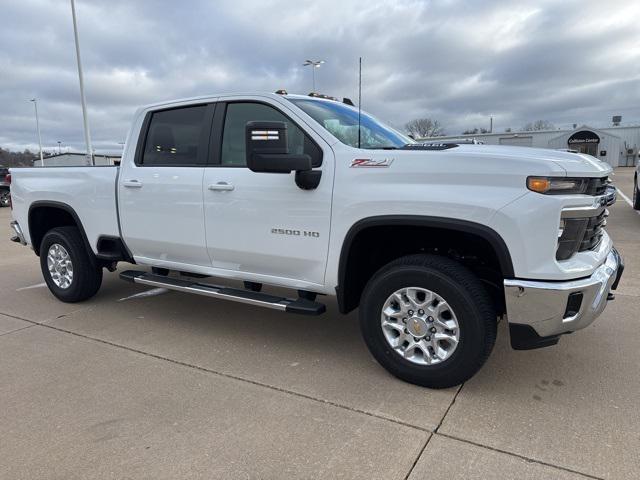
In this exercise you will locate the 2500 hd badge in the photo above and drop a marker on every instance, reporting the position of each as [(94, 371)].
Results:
[(295, 233)]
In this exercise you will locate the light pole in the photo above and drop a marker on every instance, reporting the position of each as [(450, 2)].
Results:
[(59, 147), (313, 64), (35, 105), (87, 135)]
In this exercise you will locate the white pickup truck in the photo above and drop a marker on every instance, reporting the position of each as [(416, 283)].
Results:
[(433, 242)]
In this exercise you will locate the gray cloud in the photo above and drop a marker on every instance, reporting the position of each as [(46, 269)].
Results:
[(457, 61)]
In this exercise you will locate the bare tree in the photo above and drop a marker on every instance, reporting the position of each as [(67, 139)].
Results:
[(16, 159), (424, 127), (539, 125), (473, 131)]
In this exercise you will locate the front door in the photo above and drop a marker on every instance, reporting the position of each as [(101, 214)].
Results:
[(263, 223), (160, 195)]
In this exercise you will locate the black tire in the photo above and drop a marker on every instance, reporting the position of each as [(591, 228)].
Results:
[(636, 193), (465, 294), (4, 199), (87, 276)]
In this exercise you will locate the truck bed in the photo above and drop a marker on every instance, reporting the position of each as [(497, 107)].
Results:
[(89, 191)]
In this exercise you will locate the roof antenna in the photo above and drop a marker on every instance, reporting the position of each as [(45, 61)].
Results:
[(359, 97)]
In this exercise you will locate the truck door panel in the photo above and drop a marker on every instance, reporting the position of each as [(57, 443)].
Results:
[(161, 210), (263, 223)]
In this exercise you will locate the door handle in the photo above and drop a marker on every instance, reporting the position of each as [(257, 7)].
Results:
[(132, 183), (221, 187)]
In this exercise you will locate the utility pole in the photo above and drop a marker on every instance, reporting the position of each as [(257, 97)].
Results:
[(35, 105), (87, 134), (59, 147), (490, 124)]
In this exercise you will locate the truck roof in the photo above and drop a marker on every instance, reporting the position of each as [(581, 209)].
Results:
[(204, 98)]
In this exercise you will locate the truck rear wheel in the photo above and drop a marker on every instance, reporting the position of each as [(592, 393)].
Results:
[(67, 267), (428, 320), (636, 194)]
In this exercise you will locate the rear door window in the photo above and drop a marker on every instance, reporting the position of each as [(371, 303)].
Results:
[(175, 137)]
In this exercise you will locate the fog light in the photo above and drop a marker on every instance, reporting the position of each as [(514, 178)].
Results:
[(573, 305)]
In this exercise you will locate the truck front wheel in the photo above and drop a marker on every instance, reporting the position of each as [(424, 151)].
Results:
[(428, 320), (66, 266)]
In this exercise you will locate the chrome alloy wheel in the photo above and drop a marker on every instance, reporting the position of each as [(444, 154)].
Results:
[(420, 326), (60, 265)]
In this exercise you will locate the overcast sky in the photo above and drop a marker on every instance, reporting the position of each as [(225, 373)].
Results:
[(455, 61)]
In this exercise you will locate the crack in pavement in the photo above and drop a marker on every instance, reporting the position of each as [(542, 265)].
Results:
[(522, 457), (17, 330), (415, 462)]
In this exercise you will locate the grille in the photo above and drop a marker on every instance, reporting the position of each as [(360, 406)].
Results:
[(597, 186), (593, 233)]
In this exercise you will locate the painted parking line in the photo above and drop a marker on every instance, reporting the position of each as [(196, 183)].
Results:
[(627, 199), (37, 285), (149, 293)]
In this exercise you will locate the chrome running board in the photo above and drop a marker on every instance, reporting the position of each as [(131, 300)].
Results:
[(300, 306)]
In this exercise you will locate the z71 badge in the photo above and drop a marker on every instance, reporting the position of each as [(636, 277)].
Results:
[(371, 163)]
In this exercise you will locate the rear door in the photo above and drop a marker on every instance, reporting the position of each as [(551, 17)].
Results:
[(263, 223), (160, 193)]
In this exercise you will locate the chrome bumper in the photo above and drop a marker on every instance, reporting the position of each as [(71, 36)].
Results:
[(19, 236), (544, 305)]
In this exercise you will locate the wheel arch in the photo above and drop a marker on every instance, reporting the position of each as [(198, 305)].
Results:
[(350, 287), (47, 214)]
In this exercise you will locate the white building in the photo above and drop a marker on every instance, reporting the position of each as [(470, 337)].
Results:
[(618, 146), (76, 159)]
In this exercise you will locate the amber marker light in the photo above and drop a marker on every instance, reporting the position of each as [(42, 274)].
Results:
[(538, 184)]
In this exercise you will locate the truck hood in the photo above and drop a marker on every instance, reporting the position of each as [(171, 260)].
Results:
[(573, 164)]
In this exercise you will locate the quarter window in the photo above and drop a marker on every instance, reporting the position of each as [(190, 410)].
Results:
[(233, 138), (174, 137)]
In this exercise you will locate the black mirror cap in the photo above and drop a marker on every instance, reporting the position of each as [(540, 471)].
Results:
[(308, 179), (278, 163)]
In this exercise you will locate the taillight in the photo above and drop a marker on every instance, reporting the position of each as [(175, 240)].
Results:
[(8, 180)]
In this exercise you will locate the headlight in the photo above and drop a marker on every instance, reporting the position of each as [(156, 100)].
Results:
[(557, 185)]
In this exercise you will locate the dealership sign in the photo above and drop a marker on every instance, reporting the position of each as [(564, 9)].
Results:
[(582, 137)]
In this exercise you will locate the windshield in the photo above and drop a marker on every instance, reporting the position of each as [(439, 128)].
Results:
[(341, 121)]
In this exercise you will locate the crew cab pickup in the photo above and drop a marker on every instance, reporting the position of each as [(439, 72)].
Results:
[(434, 243)]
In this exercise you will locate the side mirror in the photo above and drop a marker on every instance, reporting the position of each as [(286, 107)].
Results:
[(267, 149)]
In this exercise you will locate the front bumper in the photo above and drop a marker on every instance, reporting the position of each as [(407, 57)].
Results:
[(19, 235), (548, 309)]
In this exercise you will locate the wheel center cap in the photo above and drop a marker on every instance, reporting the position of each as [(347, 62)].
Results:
[(417, 327)]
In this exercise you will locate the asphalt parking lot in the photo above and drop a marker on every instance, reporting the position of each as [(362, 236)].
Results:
[(167, 385)]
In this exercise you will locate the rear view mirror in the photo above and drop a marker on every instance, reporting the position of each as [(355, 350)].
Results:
[(267, 149)]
